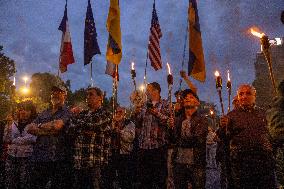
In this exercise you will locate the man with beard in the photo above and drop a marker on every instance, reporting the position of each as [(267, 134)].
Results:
[(245, 128), (92, 149), (50, 157)]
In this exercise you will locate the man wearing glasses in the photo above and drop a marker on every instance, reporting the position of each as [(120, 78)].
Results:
[(50, 158), (189, 156)]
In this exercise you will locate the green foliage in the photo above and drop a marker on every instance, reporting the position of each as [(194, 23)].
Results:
[(41, 84), (78, 98), (7, 91)]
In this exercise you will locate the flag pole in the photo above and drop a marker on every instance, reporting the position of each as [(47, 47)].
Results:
[(145, 70), (183, 56), (114, 90), (58, 71), (91, 74)]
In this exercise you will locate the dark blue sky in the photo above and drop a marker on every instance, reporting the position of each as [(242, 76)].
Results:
[(28, 32)]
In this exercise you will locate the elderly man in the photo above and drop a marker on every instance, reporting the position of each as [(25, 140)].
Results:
[(246, 130), (92, 131), (153, 139), (50, 160)]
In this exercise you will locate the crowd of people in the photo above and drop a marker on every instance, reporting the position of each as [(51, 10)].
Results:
[(158, 146)]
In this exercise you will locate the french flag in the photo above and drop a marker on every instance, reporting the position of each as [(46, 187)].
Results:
[(66, 52)]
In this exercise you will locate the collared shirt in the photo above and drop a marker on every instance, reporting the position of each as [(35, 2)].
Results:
[(153, 132), (93, 138), (52, 147), (124, 137)]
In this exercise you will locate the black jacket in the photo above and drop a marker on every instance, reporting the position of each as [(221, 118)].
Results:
[(199, 129)]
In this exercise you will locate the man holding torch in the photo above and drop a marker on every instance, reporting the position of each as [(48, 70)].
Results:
[(189, 154), (152, 133), (245, 128)]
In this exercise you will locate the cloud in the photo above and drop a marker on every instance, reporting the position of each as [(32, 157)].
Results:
[(29, 35)]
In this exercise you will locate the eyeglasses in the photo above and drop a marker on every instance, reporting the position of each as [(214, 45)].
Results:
[(190, 107)]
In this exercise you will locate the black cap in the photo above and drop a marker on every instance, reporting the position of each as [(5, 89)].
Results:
[(189, 91)]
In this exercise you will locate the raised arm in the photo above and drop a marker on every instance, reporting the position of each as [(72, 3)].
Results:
[(188, 82)]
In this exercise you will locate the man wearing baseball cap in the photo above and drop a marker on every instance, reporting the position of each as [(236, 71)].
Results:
[(190, 133), (50, 162)]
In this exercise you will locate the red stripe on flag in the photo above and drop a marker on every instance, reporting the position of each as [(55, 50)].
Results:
[(66, 56), (154, 42)]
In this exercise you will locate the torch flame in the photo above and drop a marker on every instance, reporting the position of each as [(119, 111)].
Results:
[(229, 79), (217, 74), (169, 69), (257, 34), (132, 66), (142, 87)]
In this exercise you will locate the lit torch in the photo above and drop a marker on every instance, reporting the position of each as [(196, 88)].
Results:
[(170, 81), (264, 40), (133, 75), (14, 81), (229, 88), (219, 89)]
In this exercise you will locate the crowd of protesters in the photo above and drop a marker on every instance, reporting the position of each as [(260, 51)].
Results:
[(156, 146)]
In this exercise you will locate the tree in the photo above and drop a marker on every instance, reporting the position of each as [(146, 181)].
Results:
[(78, 98), (40, 87), (7, 90)]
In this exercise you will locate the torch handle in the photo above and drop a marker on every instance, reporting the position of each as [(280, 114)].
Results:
[(221, 101), (134, 83), (268, 60), (170, 100), (229, 103)]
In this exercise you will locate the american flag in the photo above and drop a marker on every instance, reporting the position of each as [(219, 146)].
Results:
[(154, 41)]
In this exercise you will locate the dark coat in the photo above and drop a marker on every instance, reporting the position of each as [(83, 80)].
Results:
[(199, 129)]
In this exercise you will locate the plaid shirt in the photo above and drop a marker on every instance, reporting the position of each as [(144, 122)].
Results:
[(93, 138), (153, 132)]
